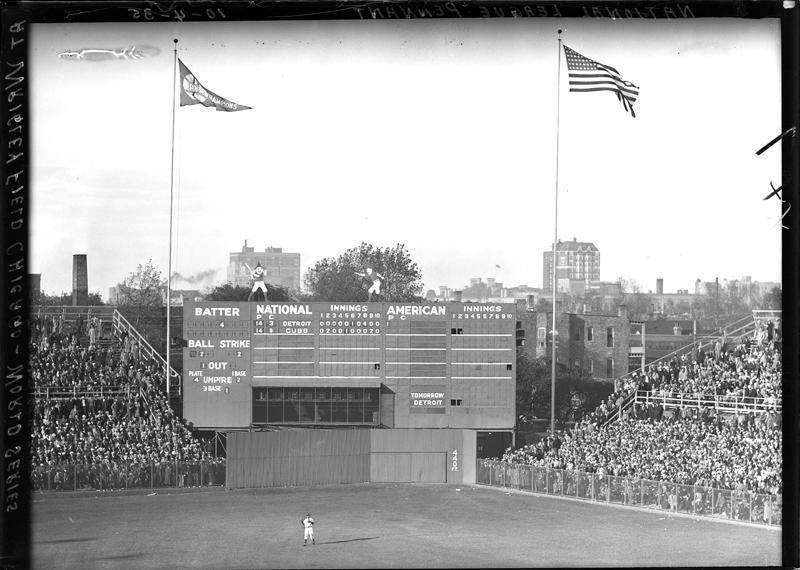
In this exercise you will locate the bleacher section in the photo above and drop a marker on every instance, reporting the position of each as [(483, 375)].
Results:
[(709, 418), (100, 402)]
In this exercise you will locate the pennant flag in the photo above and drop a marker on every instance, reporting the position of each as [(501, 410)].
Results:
[(588, 75), (193, 93)]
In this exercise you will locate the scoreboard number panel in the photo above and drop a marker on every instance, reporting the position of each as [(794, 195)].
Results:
[(425, 353), (217, 363)]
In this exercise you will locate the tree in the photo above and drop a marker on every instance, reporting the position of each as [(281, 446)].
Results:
[(576, 392), (65, 299), (142, 288), (772, 299), (337, 279), (229, 292), (639, 304)]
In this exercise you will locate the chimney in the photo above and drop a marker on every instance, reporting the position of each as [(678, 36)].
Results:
[(80, 280), (35, 285), (660, 286), (457, 296)]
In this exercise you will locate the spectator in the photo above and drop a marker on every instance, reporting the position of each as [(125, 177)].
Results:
[(694, 446)]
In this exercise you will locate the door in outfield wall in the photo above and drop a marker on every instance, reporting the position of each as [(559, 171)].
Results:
[(429, 467)]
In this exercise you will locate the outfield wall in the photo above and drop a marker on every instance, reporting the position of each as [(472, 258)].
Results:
[(329, 457), (297, 457)]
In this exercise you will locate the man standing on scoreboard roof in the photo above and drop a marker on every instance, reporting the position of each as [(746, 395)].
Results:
[(257, 275), (308, 525), (376, 281)]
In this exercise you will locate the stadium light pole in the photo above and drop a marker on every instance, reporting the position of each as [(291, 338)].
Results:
[(555, 249)]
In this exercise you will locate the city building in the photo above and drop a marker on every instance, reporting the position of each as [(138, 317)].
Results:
[(280, 268), (595, 342), (606, 345), (577, 266)]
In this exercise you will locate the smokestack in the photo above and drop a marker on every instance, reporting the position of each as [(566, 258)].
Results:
[(35, 285), (80, 280), (660, 286)]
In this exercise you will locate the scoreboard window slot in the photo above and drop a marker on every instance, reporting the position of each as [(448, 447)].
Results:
[(339, 405), (323, 394), (291, 411), (275, 411), (307, 409), (323, 413), (260, 411), (355, 406)]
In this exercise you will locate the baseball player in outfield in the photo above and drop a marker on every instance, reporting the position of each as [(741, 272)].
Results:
[(308, 524)]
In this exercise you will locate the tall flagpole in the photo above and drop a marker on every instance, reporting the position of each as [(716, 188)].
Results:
[(554, 264), (171, 187)]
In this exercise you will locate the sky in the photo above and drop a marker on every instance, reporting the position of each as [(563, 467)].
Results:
[(440, 134)]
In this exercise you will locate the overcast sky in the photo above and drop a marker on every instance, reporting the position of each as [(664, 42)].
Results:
[(439, 134)]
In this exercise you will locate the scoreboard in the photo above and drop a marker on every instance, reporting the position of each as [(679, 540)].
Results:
[(393, 364)]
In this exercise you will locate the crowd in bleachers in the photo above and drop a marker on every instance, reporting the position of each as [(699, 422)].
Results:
[(751, 369), (707, 451), (688, 445), (59, 360), (138, 429)]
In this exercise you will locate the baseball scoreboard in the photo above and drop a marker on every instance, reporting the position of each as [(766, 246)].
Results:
[(320, 364)]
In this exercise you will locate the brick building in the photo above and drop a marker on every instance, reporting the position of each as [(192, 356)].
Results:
[(280, 268), (577, 266), (594, 342)]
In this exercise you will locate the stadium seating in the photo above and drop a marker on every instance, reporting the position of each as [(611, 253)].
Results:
[(102, 406), (696, 444)]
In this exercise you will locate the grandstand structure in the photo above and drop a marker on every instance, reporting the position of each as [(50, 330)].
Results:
[(102, 418), (697, 432), (427, 385)]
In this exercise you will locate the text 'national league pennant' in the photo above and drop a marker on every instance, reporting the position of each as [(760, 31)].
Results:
[(588, 75), (193, 93)]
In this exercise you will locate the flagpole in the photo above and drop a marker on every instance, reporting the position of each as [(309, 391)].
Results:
[(555, 242), (171, 189)]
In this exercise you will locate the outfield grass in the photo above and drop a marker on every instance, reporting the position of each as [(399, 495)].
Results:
[(377, 525)]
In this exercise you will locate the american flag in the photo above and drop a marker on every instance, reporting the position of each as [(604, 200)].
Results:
[(588, 75)]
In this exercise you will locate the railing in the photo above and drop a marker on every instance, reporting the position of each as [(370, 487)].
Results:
[(616, 413), (73, 393), (728, 404), (733, 332), (69, 315), (173, 474), (666, 496), (121, 325), (739, 326), (768, 315)]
